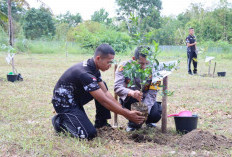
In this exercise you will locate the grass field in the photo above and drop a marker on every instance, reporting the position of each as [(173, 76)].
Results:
[(26, 109)]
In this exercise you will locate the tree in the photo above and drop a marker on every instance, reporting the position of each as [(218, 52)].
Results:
[(223, 14), (9, 12), (17, 10), (151, 21), (148, 12), (101, 16), (72, 20), (61, 31), (140, 8), (38, 23)]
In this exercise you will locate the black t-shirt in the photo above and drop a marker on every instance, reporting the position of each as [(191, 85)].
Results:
[(74, 85), (191, 39)]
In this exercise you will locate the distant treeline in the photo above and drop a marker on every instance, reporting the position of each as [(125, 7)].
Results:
[(212, 26)]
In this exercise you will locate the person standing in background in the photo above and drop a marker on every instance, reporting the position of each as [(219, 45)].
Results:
[(191, 51)]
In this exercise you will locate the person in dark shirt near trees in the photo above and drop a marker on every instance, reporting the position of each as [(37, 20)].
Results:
[(191, 51), (80, 84)]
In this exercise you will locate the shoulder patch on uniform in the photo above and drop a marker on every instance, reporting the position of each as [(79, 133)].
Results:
[(120, 68), (155, 86)]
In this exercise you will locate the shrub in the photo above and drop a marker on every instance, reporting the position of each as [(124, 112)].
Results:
[(226, 47), (38, 23), (61, 31), (91, 34)]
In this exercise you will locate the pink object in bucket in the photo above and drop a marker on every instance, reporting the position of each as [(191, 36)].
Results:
[(182, 113)]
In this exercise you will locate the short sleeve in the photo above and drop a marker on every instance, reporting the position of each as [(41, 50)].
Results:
[(99, 79), (121, 82), (187, 40), (89, 82)]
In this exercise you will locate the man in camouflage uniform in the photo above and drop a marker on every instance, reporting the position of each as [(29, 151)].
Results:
[(129, 95)]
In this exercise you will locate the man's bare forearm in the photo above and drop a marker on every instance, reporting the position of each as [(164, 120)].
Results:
[(191, 44), (109, 95), (109, 102)]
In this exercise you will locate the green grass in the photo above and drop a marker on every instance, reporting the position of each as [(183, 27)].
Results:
[(42, 47), (26, 109)]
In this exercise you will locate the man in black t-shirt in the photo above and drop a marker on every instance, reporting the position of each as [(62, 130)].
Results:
[(80, 84), (191, 51)]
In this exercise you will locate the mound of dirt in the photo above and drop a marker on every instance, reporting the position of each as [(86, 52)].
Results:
[(199, 139), (113, 134)]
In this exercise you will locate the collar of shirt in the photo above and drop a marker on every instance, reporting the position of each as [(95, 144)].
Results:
[(91, 64), (191, 36)]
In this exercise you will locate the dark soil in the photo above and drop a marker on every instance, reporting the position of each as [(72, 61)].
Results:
[(113, 134), (199, 139), (153, 135), (139, 136), (194, 140)]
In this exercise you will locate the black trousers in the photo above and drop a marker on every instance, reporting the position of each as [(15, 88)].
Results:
[(191, 57), (153, 117), (74, 120)]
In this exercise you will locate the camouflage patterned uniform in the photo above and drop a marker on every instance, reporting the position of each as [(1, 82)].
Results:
[(149, 92)]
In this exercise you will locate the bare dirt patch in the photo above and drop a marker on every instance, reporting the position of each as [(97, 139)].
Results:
[(143, 135), (199, 139), (194, 140), (154, 136), (113, 134)]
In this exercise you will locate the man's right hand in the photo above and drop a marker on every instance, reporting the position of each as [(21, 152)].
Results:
[(135, 116), (136, 94)]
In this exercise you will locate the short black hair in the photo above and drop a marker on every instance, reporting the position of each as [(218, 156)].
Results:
[(138, 51), (104, 50), (191, 28)]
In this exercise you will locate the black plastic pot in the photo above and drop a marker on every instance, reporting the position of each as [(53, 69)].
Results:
[(222, 74), (185, 124), (12, 78)]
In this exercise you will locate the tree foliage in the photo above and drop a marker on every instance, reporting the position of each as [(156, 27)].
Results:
[(148, 12), (210, 25), (72, 20), (91, 34), (62, 31), (38, 23), (16, 9), (101, 16), (142, 8)]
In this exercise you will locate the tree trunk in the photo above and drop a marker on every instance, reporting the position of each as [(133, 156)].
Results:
[(10, 27)]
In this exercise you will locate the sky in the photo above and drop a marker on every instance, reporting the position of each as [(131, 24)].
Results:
[(87, 7)]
